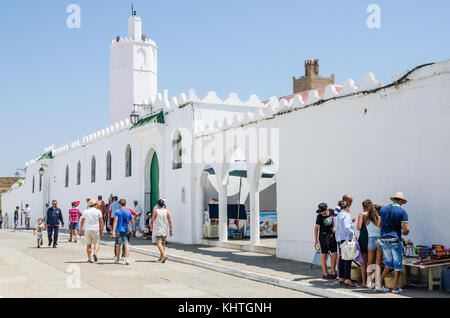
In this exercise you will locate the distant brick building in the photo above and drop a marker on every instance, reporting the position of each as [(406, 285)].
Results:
[(312, 79)]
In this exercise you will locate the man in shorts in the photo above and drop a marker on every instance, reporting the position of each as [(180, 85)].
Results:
[(162, 221), (394, 223), (93, 219), (16, 218), (74, 216), (123, 220), (326, 240)]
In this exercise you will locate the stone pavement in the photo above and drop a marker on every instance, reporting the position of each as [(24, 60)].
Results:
[(29, 272), (268, 269)]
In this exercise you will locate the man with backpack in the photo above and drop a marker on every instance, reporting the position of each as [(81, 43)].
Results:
[(394, 221)]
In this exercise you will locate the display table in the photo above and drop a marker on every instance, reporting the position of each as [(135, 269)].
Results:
[(430, 268)]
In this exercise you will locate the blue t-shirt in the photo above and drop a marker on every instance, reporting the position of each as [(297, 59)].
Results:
[(114, 207), (393, 227), (122, 223)]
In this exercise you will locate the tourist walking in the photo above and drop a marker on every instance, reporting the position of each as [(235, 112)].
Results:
[(161, 226), (102, 207), (344, 231), (27, 214), (1, 220), (326, 240), (114, 206), (123, 220), (138, 218), (54, 219), (93, 219), (394, 221), (39, 232), (74, 217), (374, 252), (44, 213), (363, 239), (16, 218)]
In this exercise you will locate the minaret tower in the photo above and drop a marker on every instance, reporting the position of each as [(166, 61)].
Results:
[(134, 71)]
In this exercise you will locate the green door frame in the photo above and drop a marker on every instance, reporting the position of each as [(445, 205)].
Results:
[(154, 181)]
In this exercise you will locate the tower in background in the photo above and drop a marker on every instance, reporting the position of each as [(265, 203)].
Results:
[(312, 79), (134, 71)]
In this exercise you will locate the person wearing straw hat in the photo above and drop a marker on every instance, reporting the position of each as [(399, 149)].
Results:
[(394, 222), (93, 219)]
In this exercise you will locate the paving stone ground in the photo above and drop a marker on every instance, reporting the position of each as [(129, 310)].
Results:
[(29, 272)]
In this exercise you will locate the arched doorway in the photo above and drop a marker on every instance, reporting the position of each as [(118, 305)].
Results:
[(151, 183), (154, 181)]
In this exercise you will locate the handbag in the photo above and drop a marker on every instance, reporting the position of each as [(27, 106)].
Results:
[(349, 250)]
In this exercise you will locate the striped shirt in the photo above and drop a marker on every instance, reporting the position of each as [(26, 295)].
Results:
[(74, 215)]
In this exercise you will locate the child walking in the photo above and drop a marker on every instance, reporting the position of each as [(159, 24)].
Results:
[(39, 228)]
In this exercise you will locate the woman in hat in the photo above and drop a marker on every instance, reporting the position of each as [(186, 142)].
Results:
[(324, 237)]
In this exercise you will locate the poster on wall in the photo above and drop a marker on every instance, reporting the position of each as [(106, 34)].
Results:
[(268, 224)]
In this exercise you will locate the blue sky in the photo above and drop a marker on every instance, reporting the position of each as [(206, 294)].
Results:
[(54, 81)]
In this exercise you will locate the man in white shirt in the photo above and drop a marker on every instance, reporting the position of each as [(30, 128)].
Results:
[(137, 223), (93, 219), (27, 214)]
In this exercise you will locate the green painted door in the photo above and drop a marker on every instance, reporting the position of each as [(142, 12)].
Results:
[(154, 181)]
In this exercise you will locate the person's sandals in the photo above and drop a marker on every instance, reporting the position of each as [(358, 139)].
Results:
[(90, 262), (95, 258), (164, 259), (352, 285)]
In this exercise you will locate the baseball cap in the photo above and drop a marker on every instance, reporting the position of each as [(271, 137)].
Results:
[(322, 208), (75, 204)]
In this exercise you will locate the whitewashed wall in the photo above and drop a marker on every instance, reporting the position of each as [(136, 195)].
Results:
[(368, 145)]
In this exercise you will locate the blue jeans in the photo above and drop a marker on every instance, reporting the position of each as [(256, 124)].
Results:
[(393, 254), (345, 267), (122, 238)]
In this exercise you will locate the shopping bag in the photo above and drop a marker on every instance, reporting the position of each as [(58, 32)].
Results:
[(349, 250), (359, 258)]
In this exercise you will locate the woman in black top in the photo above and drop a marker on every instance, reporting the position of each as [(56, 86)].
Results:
[(324, 237)]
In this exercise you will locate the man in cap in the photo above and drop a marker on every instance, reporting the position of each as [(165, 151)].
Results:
[(394, 221), (74, 217), (93, 219), (325, 239)]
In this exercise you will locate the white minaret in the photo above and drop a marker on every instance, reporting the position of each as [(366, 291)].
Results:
[(134, 71)]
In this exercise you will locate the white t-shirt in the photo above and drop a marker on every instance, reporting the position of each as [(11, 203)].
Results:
[(27, 212), (91, 219)]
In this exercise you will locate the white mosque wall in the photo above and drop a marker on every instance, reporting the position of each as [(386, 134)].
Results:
[(402, 143)]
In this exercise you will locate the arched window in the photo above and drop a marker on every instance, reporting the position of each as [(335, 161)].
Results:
[(108, 166), (177, 151), (32, 186), (40, 183), (67, 177), (79, 173), (93, 168), (128, 161)]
